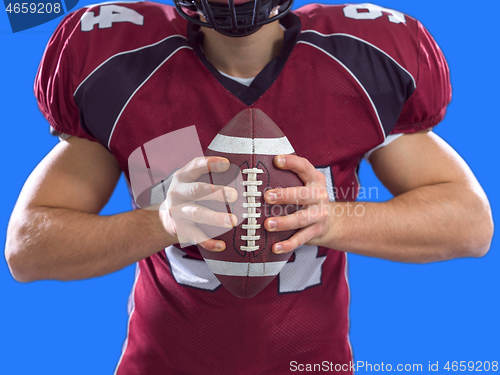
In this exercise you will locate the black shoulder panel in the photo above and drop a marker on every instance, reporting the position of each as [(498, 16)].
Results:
[(387, 84), (103, 95)]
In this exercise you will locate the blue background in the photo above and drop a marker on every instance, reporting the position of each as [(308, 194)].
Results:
[(400, 313)]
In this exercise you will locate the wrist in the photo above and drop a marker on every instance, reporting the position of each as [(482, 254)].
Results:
[(155, 235), (344, 218)]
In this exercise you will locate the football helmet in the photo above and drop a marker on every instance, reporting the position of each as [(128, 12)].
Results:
[(234, 20)]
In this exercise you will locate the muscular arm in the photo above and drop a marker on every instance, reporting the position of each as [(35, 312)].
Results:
[(55, 231), (439, 210)]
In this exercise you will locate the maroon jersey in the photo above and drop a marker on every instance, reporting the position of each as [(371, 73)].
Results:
[(347, 77)]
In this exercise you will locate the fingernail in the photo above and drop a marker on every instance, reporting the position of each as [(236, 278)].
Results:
[(278, 249), (230, 194), (272, 224), (219, 246), (222, 165), (272, 197), (281, 161), (229, 220)]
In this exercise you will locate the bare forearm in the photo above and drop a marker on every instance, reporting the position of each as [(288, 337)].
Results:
[(430, 223), (62, 244)]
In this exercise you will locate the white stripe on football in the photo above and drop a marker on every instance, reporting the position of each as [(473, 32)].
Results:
[(251, 146)]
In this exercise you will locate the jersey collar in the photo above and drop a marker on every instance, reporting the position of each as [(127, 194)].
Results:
[(266, 77)]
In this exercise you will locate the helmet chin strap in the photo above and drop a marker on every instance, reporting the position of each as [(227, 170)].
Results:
[(234, 20)]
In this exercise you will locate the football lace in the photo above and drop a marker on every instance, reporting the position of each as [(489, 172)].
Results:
[(251, 215)]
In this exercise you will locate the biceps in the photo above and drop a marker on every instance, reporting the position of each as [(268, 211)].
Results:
[(77, 174), (416, 160)]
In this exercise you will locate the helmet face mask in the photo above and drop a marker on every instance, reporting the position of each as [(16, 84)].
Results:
[(234, 20)]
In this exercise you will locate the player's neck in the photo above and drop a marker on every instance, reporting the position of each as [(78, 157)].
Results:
[(243, 57)]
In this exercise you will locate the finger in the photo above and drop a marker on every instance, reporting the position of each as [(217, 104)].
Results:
[(221, 194), (188, 234), (202, 215), (302, 167), (299, 219), (300, 195), (193, 191), (300, 238), (200, 166), (213, 245)]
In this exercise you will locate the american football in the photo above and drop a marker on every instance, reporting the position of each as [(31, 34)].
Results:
[(250, 141)]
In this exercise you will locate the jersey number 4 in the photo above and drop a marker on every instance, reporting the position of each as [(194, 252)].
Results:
[(304, 272), (109, 14)]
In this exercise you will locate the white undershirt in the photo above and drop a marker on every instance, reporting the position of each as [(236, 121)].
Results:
[(244, 81)]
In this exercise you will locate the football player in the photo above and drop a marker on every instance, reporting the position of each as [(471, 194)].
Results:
[(343, 82)]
